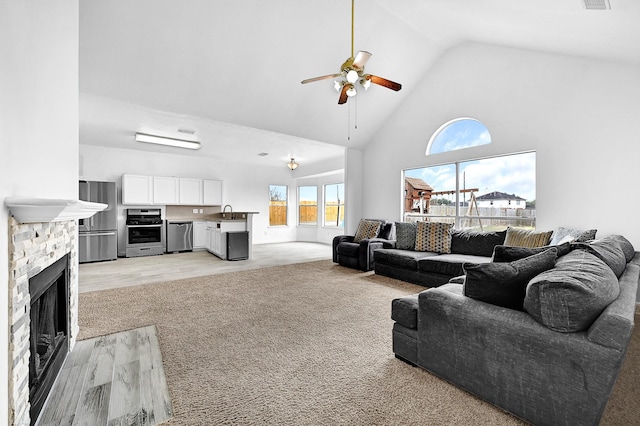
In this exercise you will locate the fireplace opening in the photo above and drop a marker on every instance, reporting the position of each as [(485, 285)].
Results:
[(49, 332)]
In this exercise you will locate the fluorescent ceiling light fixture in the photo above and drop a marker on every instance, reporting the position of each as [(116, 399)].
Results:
[(162, 140)]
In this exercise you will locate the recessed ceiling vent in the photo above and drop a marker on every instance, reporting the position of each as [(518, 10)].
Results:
[(596, 4)]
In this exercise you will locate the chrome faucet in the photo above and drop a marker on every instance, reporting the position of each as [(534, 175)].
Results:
[(224, 210)]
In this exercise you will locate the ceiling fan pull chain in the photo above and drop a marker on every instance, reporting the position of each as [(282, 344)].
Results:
[(348, 122), (356, 115)]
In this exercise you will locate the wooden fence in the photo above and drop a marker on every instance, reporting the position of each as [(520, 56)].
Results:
[(308, 211), (483, 217), (331, 212), (277, 213)]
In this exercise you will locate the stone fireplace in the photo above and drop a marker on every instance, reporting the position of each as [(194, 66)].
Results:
[(33, 247)]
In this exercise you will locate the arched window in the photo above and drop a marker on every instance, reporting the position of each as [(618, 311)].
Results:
[(458, 134)]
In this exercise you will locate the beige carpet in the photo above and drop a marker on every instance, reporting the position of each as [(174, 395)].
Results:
[(304, 344)]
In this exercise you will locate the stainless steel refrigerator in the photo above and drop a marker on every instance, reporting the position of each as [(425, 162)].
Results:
[(98, 235)]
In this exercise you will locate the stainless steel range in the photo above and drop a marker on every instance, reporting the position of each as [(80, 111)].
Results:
[(144, 232)]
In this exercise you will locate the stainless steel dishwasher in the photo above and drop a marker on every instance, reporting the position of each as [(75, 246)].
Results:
[(179, 235)]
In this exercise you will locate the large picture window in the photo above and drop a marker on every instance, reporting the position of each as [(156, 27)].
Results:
[(334, 205), (308, 205), (277, 205), (485, 194)]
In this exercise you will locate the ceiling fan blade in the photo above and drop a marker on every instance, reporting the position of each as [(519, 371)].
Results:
[(343, 95), (384, 82), (361, 58), (324, 77)]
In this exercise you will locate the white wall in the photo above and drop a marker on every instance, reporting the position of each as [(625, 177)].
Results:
[(579, 115), (244, 188), (38, 119), (353, 191)]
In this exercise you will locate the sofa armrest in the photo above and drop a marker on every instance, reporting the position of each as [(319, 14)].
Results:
[(367, 247), (511, 360), (337, 240), (614, 325)]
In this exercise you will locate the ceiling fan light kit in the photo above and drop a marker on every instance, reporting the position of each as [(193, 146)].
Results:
[(352, 73)]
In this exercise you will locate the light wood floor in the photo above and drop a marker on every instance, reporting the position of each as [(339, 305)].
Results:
[(111, 380), (168, 267)]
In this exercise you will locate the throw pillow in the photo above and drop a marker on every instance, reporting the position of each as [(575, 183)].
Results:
[(406, 235), (476, 243), (579, 235), (573, 294), (505, 284), (433, 236), (525, 238), (366, 229), (509, 254), (609, 251)]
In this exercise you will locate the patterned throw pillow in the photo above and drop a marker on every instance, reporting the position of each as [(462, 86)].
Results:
[(525, 238), (434, 236), (366, 229), (406, 235), (562, 234)]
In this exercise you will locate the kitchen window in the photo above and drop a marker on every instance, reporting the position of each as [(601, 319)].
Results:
[(334, 205), (308, 205), (278, 205)]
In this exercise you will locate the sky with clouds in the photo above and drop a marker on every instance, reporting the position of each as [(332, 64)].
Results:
[(513, 174)]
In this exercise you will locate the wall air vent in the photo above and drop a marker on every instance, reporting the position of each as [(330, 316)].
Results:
[(596, 4)]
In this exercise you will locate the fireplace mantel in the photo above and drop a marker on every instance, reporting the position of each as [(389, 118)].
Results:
[(33, 210)]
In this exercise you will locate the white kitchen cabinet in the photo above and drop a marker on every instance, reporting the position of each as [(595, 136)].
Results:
[(165, 190), (137, 189), (212, 192), (199, 235), (190, 191)]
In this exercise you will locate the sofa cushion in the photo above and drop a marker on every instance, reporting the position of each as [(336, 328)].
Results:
[(607, 250), (570, 296), (406, 235), (404, 310), (526, 238), (505, 284), (367, 229), (626, 246), (401, 258), (509, 254), (449, 264), (476, 243), (433, 236)]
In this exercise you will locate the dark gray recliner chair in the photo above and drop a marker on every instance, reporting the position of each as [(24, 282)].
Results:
[(359, 254)]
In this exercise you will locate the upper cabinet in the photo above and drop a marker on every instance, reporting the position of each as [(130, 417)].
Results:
[(171, 191), (165, 190), (190, 192), (137, 189), (212, 192)]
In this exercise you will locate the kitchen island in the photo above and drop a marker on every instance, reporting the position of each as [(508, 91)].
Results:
[(229, 227)]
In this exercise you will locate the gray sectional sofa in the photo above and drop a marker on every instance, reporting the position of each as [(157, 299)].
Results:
[(400, 260), (553, 356)]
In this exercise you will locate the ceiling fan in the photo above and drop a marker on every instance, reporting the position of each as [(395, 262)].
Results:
[(352, 73)]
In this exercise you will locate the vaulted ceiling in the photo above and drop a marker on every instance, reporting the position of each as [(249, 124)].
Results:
[(231, 70)]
